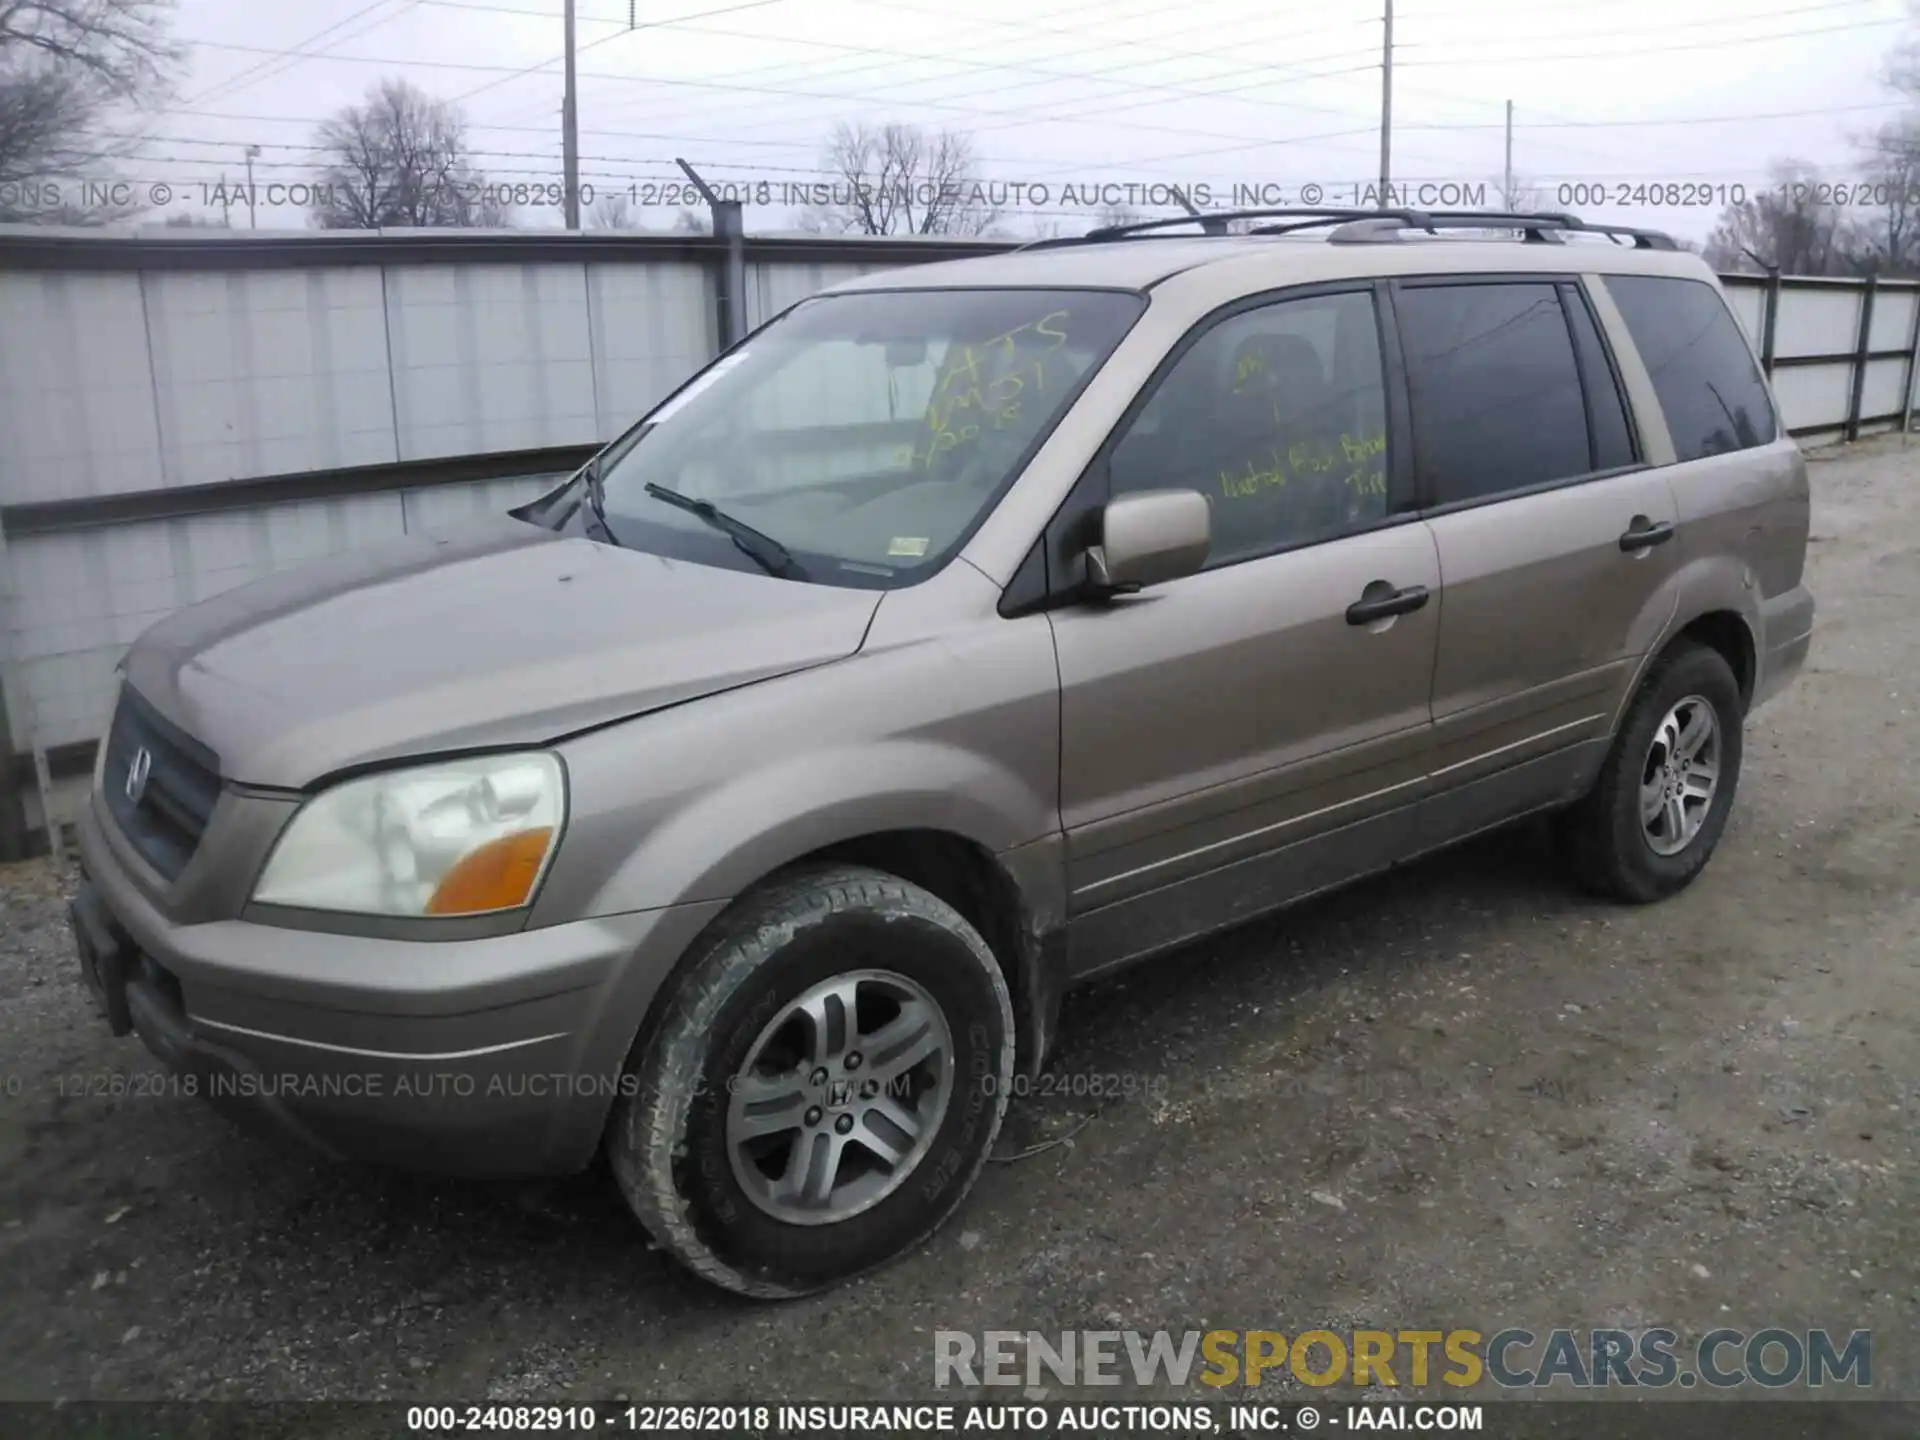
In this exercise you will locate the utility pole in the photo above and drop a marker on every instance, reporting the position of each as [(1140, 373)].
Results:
[(1386, 106), (226, 203), (570, 134), (1506, 196), (252, 219)]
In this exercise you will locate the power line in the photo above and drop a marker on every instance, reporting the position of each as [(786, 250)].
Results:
[(1661, 27), (807, 70), (1116, 42), (1121, 42), (1638, 51), (1103, 73), (1564, 123), (1667, 120), (1242, 142), (1012, 65), (1054, 166), (293, 54), (512, 72), (515, 74), (971, 91), (233, 83)]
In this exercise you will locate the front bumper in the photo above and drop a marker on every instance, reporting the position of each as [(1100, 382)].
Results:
[(495, 1056)]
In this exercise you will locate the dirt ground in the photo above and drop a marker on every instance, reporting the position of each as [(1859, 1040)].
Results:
[(1464, 1097)]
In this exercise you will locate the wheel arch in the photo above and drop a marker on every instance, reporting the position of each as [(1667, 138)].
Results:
[(1729, 633), (1715, 605), (1012, 900)]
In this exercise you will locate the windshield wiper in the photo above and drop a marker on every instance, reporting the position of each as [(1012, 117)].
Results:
[(765, 551)]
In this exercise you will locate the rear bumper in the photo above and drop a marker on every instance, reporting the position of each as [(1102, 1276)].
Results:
[(1786, 623), (497, 1056)]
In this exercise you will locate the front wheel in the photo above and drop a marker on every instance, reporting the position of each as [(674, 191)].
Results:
[(825, 1084), (1652, 820)]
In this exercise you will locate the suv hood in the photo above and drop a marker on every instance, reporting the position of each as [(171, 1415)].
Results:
[(500, 634)]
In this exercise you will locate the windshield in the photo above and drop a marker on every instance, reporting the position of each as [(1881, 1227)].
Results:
[(867, 435)]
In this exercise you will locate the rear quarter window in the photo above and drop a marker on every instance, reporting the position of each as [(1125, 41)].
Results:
[(1703, 372)]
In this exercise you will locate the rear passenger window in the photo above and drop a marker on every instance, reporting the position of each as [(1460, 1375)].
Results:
[(1702, 370), (1495, 390)]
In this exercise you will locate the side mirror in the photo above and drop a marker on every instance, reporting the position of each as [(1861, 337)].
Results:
[(1150, 537)]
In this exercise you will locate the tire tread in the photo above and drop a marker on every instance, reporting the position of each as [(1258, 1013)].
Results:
[(1600, 862), (645, 1129)]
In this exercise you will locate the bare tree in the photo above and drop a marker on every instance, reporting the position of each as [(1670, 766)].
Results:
[(1902, 69), (1808, 222), (1881, 234), (692, 222), (1788, 224), (401, 159), (64, 65), (198, 222), (1111, 215), (613, 211), (900, 180), (1520, 194), (1884, 235)]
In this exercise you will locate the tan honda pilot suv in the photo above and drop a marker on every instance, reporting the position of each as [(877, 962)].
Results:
[(740, 809)]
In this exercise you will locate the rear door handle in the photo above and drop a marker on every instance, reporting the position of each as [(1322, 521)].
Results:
[(1398, 602), (1644, 536)]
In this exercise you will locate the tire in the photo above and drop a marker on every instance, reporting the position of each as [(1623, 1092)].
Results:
[(730, 1217), (1611, 850)]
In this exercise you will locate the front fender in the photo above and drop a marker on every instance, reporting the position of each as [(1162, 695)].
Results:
[(725, 840)]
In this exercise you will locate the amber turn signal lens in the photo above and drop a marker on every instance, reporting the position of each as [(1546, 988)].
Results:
[(497, 876)]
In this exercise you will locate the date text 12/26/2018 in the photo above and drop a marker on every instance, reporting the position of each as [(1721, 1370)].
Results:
[(936, 1419)]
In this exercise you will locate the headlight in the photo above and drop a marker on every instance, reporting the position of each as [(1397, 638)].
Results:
[(468, 837)]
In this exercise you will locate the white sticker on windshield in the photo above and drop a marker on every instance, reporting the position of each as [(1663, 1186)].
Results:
[(673, 406), (912, 545)]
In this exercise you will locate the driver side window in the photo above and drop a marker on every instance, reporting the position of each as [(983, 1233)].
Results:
[(1278, 416)]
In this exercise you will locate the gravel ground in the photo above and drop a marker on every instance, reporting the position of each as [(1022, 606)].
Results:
[(1467, 1096)]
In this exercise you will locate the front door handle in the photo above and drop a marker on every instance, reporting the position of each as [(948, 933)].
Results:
[(1381, 607), (1643, 536)]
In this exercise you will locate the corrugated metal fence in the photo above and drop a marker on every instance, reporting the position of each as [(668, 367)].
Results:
[(1841, 352), (182, 414)]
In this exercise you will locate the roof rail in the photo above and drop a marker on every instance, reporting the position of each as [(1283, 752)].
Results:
[(1214, 223), (1537, 226), (1354, 226)]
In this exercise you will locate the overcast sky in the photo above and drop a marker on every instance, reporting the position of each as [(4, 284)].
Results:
[(1197, 92)]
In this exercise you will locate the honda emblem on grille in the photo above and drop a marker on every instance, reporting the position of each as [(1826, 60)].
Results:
[(137, 772)]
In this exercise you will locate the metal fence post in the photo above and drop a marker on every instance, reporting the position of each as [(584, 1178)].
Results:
[(1913, 365), (1860, 353), (1769, 318), (14, 841), (730, 221), (730, 288)]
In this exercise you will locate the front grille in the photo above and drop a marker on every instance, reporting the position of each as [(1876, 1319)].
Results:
[(166, 819)]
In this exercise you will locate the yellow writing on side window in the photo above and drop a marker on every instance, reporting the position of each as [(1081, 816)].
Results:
[(1303, 459)]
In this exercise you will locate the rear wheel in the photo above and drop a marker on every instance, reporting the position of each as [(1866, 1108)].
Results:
[(823, 1089), (1653, 819)]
